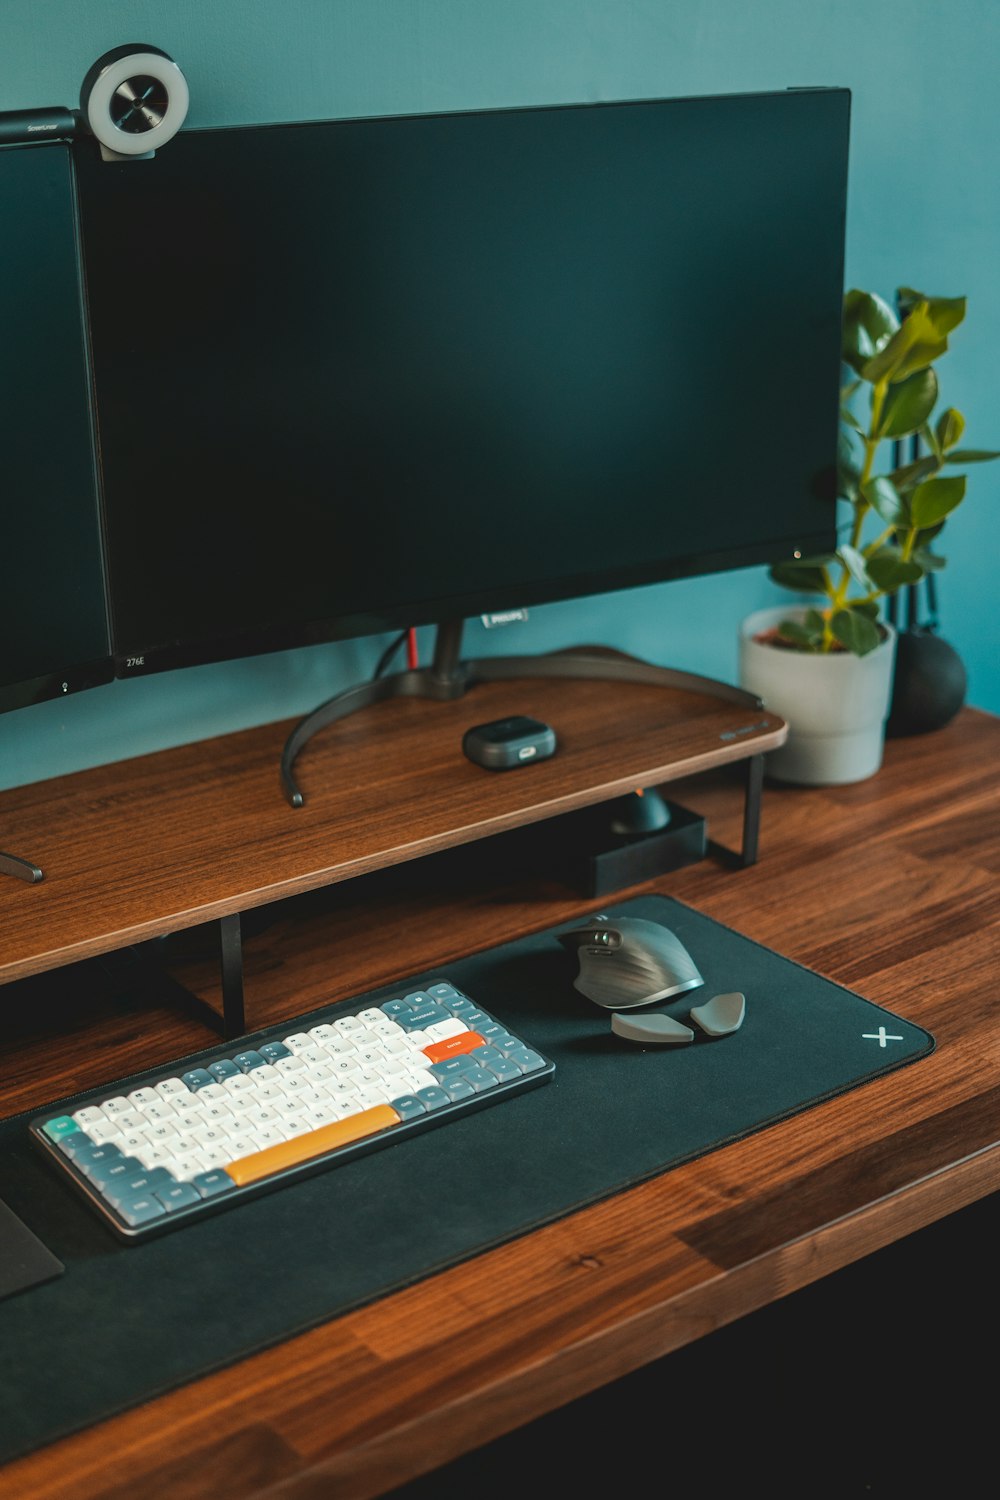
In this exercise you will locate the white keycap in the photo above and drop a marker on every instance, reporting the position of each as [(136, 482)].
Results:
[(320, 1072), (386, 1028), (217, 1112), (294, 1084), (368, 1078), (397, 1046), (349, 1024), (320, 1115), (259, 1115), (314, 1053), (368, 1098), (266, 1091), (369, 1056), (322, 1033), (371, 1014), (210, 1092), (418, 1038), (236, 1086), (215, 1156), (297, 1041), (133, 1142), (171, 1088), (346, 1067), (89, 1115), (242, 1145), (267, 1074), (183, 1167), (154, 1156), (209, 1135), (159, 1109), (312, 1096), (391, 1067), (139, 1097), (289, 1107), (271, 1135), (439, 1030), (286, 1065), (189, 1118), (421, 1079), (130, 1119), (163, 1132), (103, 1131), (298, 1126), (116, 1106)]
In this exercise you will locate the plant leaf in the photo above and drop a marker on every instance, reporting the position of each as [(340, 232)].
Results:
[(949, 428), (921, 354), (916, 328), (889, 572), (868, 324), (908, 405), (908, 475), (931, 562), (804, 574), (884, 499), (970, 455), (801, 635), (935, 499), (854, 562), (855, 631), (945, 312)]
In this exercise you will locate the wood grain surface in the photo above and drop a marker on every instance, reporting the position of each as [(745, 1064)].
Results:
[(888, 886)]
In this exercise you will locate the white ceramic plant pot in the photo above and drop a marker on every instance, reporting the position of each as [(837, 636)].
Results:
[(835, 704)]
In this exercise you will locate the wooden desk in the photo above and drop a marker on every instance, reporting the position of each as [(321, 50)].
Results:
[(888, 886)]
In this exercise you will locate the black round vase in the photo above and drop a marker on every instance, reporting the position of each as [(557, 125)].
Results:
[(929, 683)]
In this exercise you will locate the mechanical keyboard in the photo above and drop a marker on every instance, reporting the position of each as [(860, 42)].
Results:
[(170, 1145)]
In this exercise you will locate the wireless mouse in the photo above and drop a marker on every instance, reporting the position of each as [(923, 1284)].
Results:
[(629, 961)]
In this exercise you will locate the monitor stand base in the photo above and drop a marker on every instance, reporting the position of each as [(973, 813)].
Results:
[(449, 677), (21, 869)]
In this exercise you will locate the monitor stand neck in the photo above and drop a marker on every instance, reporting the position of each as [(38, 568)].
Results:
[(22, 869), (449, 676)]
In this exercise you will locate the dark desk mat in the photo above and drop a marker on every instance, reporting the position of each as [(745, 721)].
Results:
[(126, 1323)]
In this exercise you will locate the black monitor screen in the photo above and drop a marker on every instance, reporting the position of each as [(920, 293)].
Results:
[(362, 374), (53, 620)]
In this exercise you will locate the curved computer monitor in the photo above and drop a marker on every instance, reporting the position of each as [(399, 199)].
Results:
[(54, 636), (364, 374)]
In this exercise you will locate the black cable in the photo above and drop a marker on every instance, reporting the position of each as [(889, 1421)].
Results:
[(389, 653)]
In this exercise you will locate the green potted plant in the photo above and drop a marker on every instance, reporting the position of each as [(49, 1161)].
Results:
[(826, 666)]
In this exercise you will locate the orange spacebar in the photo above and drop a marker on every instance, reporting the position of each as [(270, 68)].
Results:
[(314, 1143)]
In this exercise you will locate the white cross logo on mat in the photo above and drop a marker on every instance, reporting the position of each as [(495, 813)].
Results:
[(881, 1036)]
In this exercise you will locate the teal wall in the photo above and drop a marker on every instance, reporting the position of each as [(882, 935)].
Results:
[(924, 210)]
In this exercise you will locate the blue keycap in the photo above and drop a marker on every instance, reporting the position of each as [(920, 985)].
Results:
[(225, 1068), (458, 1087), (473, 1017), (427, 1015), (198, 1078), (141, 1209), (505, 1068), (77, 1144), (486, 1055), (247, 1061), (395, 1008), (451, 1066), (481, 1079), (139, 1185), (181, 1195), (408, 1106), (59, 1127), (210, 1184), (111, 1169), (271, 1051), (527, 1059), (445, 992), (433, 1098), (90, 1157), (459, 1006)]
